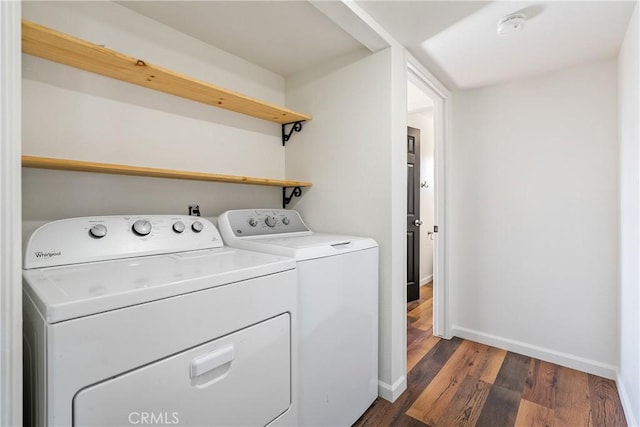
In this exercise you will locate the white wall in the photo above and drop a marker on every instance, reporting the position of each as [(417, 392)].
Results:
[(534, 211), (69, 113), (629, 91), (350, 151), (423, 120)]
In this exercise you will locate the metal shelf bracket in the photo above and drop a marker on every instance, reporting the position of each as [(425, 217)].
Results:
[(297, 192), (295, 126)]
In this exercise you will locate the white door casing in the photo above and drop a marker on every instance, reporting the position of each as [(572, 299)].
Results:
[(10, 216)]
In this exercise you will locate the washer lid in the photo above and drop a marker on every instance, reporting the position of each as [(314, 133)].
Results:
[(67, 292), (307, 247)]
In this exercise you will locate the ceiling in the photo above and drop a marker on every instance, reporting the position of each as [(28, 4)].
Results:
[(456, 40), (282, 36)]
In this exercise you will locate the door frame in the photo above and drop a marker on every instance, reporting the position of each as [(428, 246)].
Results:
[(10, 215), (441, 96)]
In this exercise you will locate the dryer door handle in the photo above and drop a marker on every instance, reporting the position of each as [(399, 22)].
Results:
[(208, 362)]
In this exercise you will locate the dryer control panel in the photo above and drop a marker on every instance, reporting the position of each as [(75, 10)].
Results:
[(88, 239), (263, 222)]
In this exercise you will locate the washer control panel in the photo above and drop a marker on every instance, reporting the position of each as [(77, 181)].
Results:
[(261, 222), (87, 239)]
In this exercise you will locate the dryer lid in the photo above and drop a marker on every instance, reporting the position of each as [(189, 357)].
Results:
[(72, 291)]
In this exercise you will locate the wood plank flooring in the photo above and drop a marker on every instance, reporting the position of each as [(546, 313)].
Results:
[(463, 383)]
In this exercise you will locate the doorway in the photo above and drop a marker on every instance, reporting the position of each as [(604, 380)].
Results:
[(434, 104), (420, 191), (414, 208)]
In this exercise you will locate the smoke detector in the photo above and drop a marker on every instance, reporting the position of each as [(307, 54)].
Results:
[(511, 23)]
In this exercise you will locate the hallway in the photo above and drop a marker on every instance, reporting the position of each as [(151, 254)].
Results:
[(463, 383)]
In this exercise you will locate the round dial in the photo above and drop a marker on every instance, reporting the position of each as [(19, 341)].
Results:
[(197, 226), (253, 222), (98, 231), (178, 227), (270, 221), (285, 220), (142, 227)]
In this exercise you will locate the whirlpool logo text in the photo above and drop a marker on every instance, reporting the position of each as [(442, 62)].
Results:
[(40, 254)]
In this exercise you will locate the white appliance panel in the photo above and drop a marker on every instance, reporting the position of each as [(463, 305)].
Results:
[(105, 321), (337, 307), (131, 337), (261, 222), (75, 240), (34, 331), (339, 379), (242, 379)]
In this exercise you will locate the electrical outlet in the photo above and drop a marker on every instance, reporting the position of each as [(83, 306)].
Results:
[(194, 210)]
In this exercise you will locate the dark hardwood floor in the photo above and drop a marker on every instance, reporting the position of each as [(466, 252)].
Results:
[(463, 383)]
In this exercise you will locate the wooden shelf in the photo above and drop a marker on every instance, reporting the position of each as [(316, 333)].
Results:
[(82, 166), (55, 46)]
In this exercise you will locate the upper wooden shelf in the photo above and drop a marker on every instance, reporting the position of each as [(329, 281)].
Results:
[(82, 166), (55, 46)]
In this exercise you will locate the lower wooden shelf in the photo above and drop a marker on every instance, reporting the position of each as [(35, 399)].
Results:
[(82, 166)]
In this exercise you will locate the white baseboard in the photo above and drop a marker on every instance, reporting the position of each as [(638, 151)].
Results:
[(553, 356), (426, 280), (392, 392), (633, 420)]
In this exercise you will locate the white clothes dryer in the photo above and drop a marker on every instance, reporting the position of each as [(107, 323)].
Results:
[(337, 309), (151, 320)]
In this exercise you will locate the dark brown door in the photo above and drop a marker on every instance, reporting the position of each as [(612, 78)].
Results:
[(413, 214)]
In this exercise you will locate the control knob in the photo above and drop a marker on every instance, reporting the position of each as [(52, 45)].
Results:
[(142, 227), (270, 221), (197, 226), (98, 231), (253, 222), (178, 227), (285, 220)]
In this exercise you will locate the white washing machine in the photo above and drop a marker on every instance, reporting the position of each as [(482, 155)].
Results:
[(337, 310), (150, 320)]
